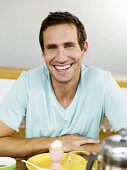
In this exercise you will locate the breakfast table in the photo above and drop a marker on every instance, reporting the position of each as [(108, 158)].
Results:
[(88, 147)]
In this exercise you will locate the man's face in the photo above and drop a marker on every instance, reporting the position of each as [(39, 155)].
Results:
[(62, 52)]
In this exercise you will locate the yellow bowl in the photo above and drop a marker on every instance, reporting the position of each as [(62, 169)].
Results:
[(44, 161)]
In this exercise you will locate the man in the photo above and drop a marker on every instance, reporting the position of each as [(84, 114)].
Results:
[(62, 99)]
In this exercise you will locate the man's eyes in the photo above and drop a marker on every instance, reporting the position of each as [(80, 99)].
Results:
[(69, 45), (55, 47), (51, 47)]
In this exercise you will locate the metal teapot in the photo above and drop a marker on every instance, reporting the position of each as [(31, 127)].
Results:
[(113, 153)]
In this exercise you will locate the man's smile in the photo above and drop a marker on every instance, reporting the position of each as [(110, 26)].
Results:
[(62, 67)]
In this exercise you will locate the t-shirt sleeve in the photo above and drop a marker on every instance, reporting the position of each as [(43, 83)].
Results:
[(13, 108), (115, 104)]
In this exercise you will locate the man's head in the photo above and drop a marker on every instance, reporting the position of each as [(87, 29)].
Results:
[(63, 43), (56, 18)]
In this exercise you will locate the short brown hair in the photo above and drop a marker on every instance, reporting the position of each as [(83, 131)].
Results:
[(56, 18)]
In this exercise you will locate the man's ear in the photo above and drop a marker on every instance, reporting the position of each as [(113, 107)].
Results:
[(42, 53), (85, 47), (43, 58)]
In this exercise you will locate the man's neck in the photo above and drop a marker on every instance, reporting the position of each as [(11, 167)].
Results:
[(65, 92)]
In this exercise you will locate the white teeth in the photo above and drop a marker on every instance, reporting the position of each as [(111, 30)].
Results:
[(62, 67)]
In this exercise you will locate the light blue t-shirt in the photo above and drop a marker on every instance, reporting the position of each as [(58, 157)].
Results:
[(33, 98)]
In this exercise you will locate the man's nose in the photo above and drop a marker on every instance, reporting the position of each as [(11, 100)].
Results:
[(61, 55)]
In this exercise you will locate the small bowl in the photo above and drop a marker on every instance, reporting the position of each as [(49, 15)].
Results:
[(7, 163)]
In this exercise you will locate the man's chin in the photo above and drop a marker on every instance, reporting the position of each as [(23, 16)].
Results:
[(62, 80)]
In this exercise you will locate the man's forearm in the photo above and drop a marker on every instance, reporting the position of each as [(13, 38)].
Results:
[(16, 147)]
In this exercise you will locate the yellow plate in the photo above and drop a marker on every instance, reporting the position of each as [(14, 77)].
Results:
[(44, 161)]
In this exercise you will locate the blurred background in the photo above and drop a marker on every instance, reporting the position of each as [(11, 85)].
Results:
[(105, 22)]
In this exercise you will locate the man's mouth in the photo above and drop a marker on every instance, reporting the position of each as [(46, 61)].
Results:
[(61, 68)]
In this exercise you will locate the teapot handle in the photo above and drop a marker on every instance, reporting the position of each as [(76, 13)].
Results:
[(91, 160)]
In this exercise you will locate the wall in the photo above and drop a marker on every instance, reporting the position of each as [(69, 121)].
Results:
[(105, 21)]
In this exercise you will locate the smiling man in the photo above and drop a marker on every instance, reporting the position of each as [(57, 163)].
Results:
[(62, 99), (63, 56)]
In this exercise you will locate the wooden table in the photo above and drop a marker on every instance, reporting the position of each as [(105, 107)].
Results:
[(89, 147), (20, 165)]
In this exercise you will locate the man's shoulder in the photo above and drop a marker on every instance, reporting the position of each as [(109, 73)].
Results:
[(93, 71), (94, 74), (36, 72)]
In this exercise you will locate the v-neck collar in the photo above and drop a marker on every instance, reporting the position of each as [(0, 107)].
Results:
[(57, 103)]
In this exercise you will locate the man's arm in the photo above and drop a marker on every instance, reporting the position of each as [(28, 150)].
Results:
[(16, 147)]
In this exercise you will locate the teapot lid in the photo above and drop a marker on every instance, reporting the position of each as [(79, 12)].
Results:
[(116, 146)]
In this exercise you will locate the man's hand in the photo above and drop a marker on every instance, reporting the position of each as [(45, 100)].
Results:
[(73, 142)]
